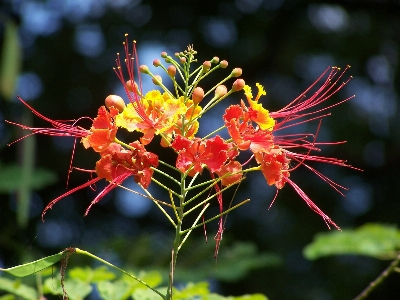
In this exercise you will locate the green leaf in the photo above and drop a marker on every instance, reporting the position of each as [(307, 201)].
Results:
[(11, 59), (376, 240), (249, 297), (33, 267), (11, 178), (244, 254), (17, 288), (145, 294), (7, 297), (152, 278), (88, 274), (75, 288), (191, 290), (117, 290)]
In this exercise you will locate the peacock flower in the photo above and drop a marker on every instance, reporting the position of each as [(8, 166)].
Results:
[(195, 154), (103, 130), (160, 108), (116, 165), (257, 129)]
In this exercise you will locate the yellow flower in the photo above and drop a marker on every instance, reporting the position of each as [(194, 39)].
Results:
[(259, 114), (161, 113)]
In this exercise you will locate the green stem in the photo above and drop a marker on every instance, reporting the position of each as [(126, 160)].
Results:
[(194, 224), (212, 133), (392, 268), (216, 217), (166, 175), (208, 198), (178, 234)]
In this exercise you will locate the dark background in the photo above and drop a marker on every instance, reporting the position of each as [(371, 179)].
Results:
[(69, 49)]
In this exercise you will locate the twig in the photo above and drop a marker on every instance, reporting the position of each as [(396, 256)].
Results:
[(392, 267)]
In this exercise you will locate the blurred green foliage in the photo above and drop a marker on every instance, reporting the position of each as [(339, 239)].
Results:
[(375, 240)]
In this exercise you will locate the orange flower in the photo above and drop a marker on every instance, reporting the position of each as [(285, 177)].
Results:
[(103, 130), (197, 154), (274, 152), (115, 165)]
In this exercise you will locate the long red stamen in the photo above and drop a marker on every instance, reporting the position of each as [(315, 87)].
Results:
[(135, 97), (294, 110)]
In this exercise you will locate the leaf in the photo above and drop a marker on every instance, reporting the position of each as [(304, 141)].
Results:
[(11, 178), (192, 290), (17, 288), (249, 297), (88, 274), (117, 290), (7, 297), (152, 278), (145, 294), (33, 267), (376, 240), (75, 288), (11, 59), (244, 255)]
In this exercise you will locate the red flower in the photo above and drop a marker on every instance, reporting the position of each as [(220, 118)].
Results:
[(115, 165), (101, 134), (116, 161), (239, 124), (274, 152), (198, 153), (103, 130), (234, 168)]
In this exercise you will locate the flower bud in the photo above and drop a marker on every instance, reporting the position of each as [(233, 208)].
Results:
[(182, 60), (115, 101), (220, 91), (238, 85), (144, 69), (156, 62), (157, 80), (132, 87), (215, 60), (177, 54), (206, 66), (198, 95), (164, 54), (171, 70), (236, 72), (223, 64)]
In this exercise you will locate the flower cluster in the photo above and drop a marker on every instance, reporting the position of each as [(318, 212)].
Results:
[(174, 116)]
